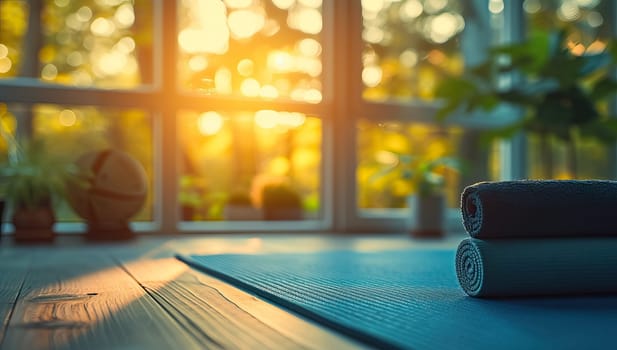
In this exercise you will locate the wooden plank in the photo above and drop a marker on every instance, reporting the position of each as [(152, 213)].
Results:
[(13, 267), (14, 264), (226, 314), (78, 298), (5, 313)]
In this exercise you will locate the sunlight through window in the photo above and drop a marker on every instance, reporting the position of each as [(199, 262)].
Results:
[(244, 23), (210, 123)]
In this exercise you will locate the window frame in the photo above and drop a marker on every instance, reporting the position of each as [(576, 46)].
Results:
[(163, 99), (340, 110), (397, 220)]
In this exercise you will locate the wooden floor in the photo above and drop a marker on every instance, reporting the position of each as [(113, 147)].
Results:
[(136, 295)]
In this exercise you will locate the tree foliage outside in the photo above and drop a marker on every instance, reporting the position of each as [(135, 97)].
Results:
[(109, 44), (410, 46)]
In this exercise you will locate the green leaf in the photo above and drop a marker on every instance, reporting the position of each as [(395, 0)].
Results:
[(564, 68), (506, 132), (517, 97), (603, 130), (603, 88), (447, 110), (455, 92), (529, 56), (483, 71)]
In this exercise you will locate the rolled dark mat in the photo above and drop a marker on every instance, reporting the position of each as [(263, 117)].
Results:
[(528, 267), (540, 208)]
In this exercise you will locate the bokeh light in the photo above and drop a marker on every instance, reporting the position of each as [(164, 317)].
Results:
[(67, 118), (266, 119), (250, 87), (307, 20), (102, 27), (250, 49), (244, 24), (406, 64), (5, 64), (210, 123)]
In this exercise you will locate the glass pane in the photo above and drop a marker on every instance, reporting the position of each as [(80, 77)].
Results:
[(74, 133), (588, 28), (251, 48), (394, 157), (587, 21), (247, 166), (551, 158), (409, 46), (105, 44)]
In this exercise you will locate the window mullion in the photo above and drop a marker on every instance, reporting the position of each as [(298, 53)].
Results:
[(166, 133), (345, 51), (514, 151)]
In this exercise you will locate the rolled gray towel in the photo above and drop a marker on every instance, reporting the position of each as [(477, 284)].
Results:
[(540, 208), (528, 267)]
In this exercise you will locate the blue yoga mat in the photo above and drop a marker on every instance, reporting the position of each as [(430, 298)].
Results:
[(411, 300)]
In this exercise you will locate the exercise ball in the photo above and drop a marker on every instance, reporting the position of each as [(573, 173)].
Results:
[(115, 190)]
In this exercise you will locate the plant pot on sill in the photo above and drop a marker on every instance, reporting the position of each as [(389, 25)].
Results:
[(117, 230), (281, 202), (428, 213), (283, 214), (34, 225), (242, 212)]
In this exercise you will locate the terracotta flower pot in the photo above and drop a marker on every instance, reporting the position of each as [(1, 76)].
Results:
[(34, 224)]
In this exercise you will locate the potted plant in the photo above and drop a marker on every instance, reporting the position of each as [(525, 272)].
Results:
[(428, 204), (557, 91), (191, 196), (34, 180), (280, 201), (239, 206)]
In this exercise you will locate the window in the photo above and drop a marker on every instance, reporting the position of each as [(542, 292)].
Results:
[(322, 104), (407, 48), (589, 25)]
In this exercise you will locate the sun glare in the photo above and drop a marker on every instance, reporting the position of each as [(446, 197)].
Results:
[(280, 61), (373, 5), (198, 63), (222, 81), (102, 27), (244, 24), (125, 16), (266, 119), (269, 92), (112, 63), (371, 75), (208, 31), (250, 87), (309, 47), (238, 4), (307, 20), (210, 123), (283, 4)]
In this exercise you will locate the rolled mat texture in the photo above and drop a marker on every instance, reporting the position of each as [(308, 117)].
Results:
[(528, 267), (540, 208)]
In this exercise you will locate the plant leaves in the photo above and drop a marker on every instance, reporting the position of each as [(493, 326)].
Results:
[(604, 88)]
